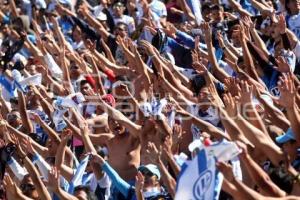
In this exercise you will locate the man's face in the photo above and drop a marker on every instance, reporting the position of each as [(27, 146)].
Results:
[(6, 30), (81, 195), (28, 188), (150, 179), (203, 95), (75, 71), (31, 69), (118, 10), (116, 127), (206, 15), (14, 119), (86, 89), (275, 32), (121, 31), (217, 15)]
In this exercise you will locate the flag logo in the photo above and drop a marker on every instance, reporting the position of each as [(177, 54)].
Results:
[(202, 185)]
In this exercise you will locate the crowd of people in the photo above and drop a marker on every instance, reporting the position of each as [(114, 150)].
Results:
[(108, 99)]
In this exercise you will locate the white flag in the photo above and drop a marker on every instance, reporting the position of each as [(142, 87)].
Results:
[(199, 179)]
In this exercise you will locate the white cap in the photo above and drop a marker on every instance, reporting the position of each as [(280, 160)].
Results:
[(101, 16)]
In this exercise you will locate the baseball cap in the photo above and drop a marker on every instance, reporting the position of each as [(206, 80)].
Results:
[(118, 4), (109, 99), (65, 2), (287, 136), (152, 168)]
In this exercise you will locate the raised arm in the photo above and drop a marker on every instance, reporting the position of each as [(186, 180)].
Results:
[(288, 100), (54, 183), (133, 128), (216, 70), (167, 179), (65, 170), (51, 133), (34, 174), (24, 115), (260, 177)]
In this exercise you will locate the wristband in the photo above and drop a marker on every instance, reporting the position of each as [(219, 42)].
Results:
[(297, 178)]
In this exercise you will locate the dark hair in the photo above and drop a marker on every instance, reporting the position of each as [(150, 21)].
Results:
[(198, 82), (205, 7), (216, 7), (83, 82), (121, 24), (86, 189)]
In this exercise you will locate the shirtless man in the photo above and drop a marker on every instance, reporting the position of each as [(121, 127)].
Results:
[(128, 137)]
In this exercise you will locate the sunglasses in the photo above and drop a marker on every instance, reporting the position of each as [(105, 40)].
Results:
[(74, 67), (147, 173), (27, 187), (120, 29)]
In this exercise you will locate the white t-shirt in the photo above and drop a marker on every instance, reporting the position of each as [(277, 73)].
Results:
[(297, 50), (294, 24), (126, 20), (158, 8), (104, 182)]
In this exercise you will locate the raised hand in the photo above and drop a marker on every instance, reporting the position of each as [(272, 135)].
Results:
[(226, 170), (282, 65), (177, 134), (139, 181), (195, 56), (53, 179), (214, 98), (54, 22), (42, 69), (287, 91), (230, 105), (60, 9), (153, 152), (35, 117), (248, 22), (148, 47), (66, 134), (281, 24), (220, 39), (232, 85), (200, 68), (20, 151), (10, 187), (245, 93), (207, 32), (170, 30), (27, 143)]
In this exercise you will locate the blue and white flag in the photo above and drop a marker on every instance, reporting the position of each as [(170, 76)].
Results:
[(78, 176), (199, 179), (10, 86)]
